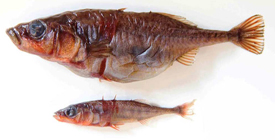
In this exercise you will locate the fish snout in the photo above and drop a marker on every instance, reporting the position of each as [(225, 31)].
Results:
[(57, 116), (14, 36)]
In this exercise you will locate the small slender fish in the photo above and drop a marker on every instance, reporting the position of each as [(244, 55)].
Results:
[(125, 46), (113, 113)]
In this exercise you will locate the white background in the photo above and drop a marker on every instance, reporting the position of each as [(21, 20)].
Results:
[(234, 88)]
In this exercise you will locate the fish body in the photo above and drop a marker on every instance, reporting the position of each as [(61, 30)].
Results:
[(126, 46), (115, 112)]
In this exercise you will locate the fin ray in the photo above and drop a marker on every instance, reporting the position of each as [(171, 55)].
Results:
[(179, 18), (188, 58), (122, 9), (146, 102), (144, 122), (250, 34), (185, 109)]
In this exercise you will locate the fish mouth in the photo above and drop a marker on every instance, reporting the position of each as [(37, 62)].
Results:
[(57, 116), (14, 36)]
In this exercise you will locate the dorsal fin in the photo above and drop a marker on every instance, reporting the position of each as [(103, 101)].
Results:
[(179, 18), (188, 58), (146, 102), (122, 9)]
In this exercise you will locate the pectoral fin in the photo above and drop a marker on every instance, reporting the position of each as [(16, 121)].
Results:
[(188, 58), (101, 49)]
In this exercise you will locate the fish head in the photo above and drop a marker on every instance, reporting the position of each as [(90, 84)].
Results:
[(79, 114), (51, 38)]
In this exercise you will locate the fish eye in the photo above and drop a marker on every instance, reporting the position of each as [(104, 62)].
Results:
[(37, 29), (71, 112)]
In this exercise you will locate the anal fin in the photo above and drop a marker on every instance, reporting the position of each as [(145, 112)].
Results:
[(144, 122), (188, 58)]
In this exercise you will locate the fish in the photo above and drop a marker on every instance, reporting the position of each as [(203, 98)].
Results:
[(113, 113), (121, 46)]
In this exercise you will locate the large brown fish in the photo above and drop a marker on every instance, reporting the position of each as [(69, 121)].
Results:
[(126, 46), (116, 112)]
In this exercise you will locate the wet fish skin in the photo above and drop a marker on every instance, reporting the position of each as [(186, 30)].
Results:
[(125, 46), (112, 113)]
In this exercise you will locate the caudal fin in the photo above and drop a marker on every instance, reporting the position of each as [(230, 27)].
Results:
[(250, 34), (184, 110)]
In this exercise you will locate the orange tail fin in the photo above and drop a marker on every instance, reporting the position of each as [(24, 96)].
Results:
[(250, 34), (185, 109)]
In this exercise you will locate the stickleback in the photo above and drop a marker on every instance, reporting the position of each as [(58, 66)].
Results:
[(112, 113), (126, 46)]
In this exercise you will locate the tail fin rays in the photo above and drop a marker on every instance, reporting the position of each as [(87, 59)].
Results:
[(184, 110), (250, 34)]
